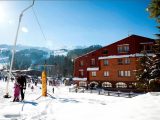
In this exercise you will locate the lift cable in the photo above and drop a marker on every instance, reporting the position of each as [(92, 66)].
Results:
[(39, 24)]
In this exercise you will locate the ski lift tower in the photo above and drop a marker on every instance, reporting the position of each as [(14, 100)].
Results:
[(14, 48)]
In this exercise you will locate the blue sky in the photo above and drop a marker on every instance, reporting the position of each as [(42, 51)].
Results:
[(70, 23)]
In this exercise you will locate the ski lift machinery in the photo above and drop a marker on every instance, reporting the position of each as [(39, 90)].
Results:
[(14, 48), (44, 75), (44, 81)]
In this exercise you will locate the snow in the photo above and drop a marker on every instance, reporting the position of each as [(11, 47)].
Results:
[(147, 43), (61, 52), (78, 106), (93, 69), (4, 58), (77, 78), (1, 66), (124, 56)]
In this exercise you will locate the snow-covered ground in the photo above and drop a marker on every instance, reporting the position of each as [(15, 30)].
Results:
[(78, 106)]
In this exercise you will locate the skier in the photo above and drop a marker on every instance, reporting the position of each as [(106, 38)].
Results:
[(32, 88), (16, 92), (22, 81), (53, 89), (35, 82)]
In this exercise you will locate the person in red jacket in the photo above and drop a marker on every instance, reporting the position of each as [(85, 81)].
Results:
[(16, 92)]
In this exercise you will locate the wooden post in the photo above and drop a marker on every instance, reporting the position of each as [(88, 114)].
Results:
[(99, 92), (108, 93), (44, 83)]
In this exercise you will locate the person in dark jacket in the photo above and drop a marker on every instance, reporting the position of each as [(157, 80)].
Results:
[(22, 82)]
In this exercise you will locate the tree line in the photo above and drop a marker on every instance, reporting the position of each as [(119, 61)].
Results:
[(61, 65)]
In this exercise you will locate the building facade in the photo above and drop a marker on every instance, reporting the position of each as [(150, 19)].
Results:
[(112, 66)]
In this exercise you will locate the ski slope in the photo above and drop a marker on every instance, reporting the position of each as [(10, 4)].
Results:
[(65, 105)]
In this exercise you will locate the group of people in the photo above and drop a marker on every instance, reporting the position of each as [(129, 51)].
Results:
[(19, 87), (4, 78)]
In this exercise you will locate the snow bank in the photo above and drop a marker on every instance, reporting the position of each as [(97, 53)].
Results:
[(78, 106)]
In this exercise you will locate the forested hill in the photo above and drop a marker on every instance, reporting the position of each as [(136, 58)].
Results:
[(63, 63), (25, 58), (78, 52)]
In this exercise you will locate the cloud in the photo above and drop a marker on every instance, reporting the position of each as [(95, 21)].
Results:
[(24, 29)]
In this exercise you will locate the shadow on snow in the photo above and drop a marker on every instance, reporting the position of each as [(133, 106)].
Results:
[(29, 102)]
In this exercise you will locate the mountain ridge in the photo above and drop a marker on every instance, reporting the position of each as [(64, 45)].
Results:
[(62, 58)]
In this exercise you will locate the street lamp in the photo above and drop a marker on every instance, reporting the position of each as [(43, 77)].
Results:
[(14, 48)]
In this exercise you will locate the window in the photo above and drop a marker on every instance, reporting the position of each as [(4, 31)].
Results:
[(105, 62), (81, 63), (141, 48), (106, 84), (94, 74), (121, 85), (147, 48), (106, 73), (126, 48), (123, 48), (82, 84), (93, 62), (121, 73), (105, 52), (93, 84), (120, 61), (120, 48), (81, 73), (127, 73), (127, 61), (124, 73)]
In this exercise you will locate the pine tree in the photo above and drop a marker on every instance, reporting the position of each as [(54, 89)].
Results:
[(149, 67), (154, 10), (144, 70)]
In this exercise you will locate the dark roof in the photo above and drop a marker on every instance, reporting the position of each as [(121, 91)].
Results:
[(132, 37)]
